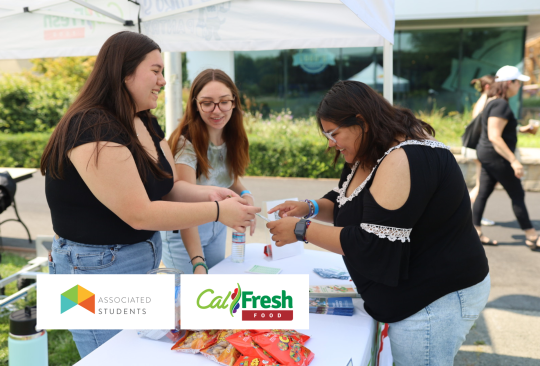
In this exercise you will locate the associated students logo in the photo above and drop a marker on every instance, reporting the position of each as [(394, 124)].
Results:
[(77, 295)]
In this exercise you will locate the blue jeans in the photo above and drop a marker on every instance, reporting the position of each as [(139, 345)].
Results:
[(69, 257), (213, 237), (432, 336)]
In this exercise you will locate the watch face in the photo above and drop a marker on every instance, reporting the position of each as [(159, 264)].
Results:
[(300, 230)]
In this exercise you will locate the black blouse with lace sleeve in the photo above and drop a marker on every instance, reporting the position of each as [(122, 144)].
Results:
[(402, 260)]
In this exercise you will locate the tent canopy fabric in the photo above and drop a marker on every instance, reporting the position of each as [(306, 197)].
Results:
[(54, 28)]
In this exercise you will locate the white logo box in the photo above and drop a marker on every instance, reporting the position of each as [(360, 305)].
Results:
[(265, 312), (122, 301)]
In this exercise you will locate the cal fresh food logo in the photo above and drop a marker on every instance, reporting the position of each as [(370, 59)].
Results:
[(253, 306), (77, 295)]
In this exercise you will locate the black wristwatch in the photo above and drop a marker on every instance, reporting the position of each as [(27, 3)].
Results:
[(300, 229)]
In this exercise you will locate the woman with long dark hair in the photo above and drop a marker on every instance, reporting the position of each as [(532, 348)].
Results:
[(496, 150), (211, 148), (402, 221), (109, 180)]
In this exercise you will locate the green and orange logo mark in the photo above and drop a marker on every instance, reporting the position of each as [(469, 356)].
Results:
[(77, 295)]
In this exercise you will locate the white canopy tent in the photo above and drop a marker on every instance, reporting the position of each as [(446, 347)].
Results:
[(373, 75), (54, 28)]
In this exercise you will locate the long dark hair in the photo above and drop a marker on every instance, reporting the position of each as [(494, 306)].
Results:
[(352, 103), (193, 128), (107, 101)]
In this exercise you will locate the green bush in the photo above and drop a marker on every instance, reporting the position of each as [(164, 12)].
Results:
[(23, 149), (30, 103)]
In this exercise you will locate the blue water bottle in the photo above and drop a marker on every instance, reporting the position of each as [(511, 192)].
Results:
[(27, 346)]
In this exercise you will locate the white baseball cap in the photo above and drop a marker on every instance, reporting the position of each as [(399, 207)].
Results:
[(510, 73)]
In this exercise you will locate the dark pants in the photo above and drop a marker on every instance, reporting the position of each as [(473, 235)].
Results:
[(500, 170)]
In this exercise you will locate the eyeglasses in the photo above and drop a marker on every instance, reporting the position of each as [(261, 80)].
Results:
[(329, 135), (223, 105)]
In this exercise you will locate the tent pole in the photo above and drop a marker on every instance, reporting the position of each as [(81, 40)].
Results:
[(388, 59), (173, 91)]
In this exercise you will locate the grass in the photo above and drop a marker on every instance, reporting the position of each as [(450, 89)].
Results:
[(62, 349)]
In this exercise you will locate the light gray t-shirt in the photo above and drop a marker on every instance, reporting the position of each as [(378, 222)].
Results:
[(218, 174)]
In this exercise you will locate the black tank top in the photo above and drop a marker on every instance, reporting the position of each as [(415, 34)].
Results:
[(77, 214)]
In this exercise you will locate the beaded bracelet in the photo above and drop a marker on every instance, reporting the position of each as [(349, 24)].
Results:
[(200, 264), (311, 209)]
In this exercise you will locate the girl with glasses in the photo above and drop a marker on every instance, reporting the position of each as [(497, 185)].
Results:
[(210, 147), (401, 218)]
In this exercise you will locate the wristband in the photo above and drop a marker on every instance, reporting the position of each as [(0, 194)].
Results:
[(217, 218), (200, 264), (316, 205), (245, 192), (308, 222)]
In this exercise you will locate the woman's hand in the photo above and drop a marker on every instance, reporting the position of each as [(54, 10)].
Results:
[(283, 230), (250, 202), (291, 208), (518, 168), (236, 214), (219, 193)]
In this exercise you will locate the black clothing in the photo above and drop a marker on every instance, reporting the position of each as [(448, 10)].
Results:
[(497, 108), (76, 213), (500, 170), (397, 279), (495, 168)]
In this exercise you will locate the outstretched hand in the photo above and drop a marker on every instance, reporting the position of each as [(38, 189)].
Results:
[(291, 208)]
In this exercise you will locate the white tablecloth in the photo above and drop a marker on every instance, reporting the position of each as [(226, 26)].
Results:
[(335, 340)]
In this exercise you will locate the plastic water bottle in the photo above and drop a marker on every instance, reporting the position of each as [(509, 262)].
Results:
[(27, 346), (238, 247)]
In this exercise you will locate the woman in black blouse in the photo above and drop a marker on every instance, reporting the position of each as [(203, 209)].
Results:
[(109, 178), (402, 221), (495, 151)]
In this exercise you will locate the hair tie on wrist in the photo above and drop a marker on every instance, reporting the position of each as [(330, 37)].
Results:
[(197, 256), (217, 218)]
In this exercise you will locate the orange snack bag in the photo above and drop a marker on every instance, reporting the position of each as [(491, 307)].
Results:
[(254, 361), (286, 350), (193, 342), (222, 351), (243, 342), (299, 337)]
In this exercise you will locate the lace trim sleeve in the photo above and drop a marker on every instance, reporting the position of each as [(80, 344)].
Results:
[(390, 233)]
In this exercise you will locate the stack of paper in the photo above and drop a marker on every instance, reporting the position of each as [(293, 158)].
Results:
[(333, 291), (332, 305)]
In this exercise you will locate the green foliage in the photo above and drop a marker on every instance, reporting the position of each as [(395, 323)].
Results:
[(30, 103), (281, 147), (62, 348), (22, 150)]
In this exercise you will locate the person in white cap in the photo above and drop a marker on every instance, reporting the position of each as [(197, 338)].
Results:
[(495, 151)]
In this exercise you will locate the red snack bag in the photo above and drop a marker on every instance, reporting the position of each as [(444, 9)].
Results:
[(193, 342), (222, 351), (286, 350), (253, 361), (243, 342), (299, 337)]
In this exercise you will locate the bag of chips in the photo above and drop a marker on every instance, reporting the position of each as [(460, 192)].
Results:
[(222, 351), (243, 342), (194, 342), (253, 361), (299, 337), (285, 349)]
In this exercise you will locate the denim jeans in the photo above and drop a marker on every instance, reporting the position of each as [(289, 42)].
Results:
[(69, 257), (432, 336), (213, 237)]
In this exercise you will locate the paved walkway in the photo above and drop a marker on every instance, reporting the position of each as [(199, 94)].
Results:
[(508, 331)]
